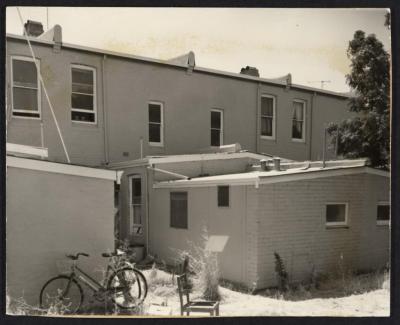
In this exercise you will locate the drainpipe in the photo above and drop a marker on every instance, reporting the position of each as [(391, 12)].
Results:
[(148, 211), (257, 119), (311, 125), (105, 111)]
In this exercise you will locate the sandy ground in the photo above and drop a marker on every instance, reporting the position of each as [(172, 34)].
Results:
[(163, 300)]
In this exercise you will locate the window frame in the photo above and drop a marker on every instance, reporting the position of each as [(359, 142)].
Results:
[(303, 133), (382, 222), (131, 204), (229, 196), (221, 135), (37, 66), (187, 211), (340, 223), (161, 143), (273, 136), (94, 111)]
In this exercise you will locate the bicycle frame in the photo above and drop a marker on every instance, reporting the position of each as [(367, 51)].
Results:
[(82, 277)]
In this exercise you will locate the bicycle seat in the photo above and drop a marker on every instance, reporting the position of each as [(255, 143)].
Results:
[(75, 257), (117, 253)]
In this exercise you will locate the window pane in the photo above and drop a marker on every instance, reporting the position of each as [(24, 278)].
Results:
[(25, 99), (179, 209), (266, 126), (267, 107), (136, 189), (82, 101), (383, 212), (215, 138), (82, 81), (154, 132), (82, 116), (336, 213), (154, 113), (297, 130), (298, 111), (223, 196), (215, 120), (24, 74), (137, 214)]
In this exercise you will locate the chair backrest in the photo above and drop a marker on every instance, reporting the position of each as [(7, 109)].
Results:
[(181, 280)]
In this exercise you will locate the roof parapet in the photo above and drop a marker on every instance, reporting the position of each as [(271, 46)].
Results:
[(53, 35), (187, 59)]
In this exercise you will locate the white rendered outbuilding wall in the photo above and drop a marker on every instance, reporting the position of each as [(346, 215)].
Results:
[(50, 214)]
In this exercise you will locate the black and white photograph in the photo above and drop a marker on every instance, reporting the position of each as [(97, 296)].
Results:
[(197, 162)]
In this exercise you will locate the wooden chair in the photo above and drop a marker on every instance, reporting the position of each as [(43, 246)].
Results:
[(211, 307)]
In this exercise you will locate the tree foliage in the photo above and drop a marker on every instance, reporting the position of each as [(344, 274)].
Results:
[(367, 134)]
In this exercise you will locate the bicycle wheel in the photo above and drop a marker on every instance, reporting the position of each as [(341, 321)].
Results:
[(125, 288), (61, 295), (143, 284)]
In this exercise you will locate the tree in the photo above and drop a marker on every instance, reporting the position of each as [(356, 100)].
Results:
[(367, 134)]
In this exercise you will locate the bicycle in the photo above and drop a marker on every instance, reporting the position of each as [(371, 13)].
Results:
[(124, 284)]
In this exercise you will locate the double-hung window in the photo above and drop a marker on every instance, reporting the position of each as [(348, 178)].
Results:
[(156, 124), (83, 94), (179, 210), (217, 128), (268, 117), (336, 214), (25, 87), (298, 121), (383, 214)]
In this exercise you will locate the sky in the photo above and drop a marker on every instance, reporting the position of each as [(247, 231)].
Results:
[(308, 43)]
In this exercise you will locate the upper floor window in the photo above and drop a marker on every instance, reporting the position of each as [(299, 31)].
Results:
[(83, 95), (25, 88), (298, 121), (179, 210), (217, 128), (383, 213), (156, 124), (268, 117)]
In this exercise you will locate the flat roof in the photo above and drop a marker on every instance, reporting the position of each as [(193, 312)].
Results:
[(176, 65), (60, 168), (310, 170), (149, 160)]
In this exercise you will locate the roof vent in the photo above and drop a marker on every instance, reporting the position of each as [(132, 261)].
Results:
[(33, 28), (277, 163), (251, 71)]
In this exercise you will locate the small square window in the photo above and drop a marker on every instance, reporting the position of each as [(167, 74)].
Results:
[(336, 214), (383, 214), (223, 196)]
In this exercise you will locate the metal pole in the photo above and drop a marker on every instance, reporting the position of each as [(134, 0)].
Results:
[(324, 148)]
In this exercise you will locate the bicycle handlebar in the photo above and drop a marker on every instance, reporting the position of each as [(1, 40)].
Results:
[(75, 257)]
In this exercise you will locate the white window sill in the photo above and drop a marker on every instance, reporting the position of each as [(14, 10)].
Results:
[(382, 223), (84, 123), (298, 140), (336, 225), (265, 137), (156, 144)]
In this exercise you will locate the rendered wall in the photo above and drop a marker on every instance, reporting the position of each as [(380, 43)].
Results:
[(203, 212), (50, 215), (124, 88)]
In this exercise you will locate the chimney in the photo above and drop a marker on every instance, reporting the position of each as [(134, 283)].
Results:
[(250, 71), (33, 28), (277, 163)]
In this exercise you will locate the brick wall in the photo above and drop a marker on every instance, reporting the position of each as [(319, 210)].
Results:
[(289, 218)]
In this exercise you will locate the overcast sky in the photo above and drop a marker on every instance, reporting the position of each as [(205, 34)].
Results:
[(309, 43)]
